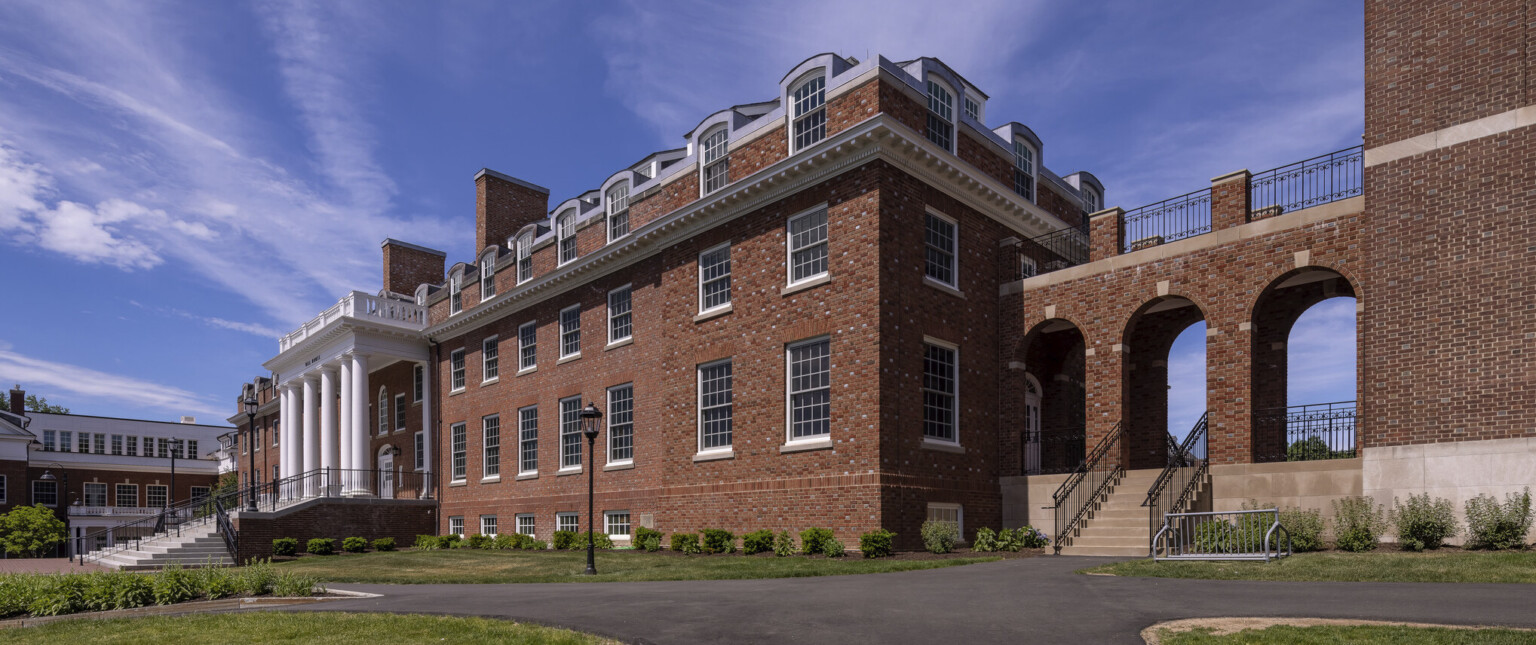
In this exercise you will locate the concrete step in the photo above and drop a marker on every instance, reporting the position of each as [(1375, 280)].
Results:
[(1126, 522), (1141, 551), (1138, 532), (1123, 514), (1093, 540)]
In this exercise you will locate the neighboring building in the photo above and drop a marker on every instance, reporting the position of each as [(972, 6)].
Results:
[(857, 305)]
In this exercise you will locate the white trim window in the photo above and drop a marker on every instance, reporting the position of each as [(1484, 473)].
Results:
[(456, 370), (525, 524), (117, 445), (620, 321), (156, 495), (418, 386), (953, 513), (621, 424), (383, 411), (456, 292), (488, 275), (941, 362), (565, 233), (490, 360), (421, 450), (715, 413), (84, 443), (65, 437), (50, 439), (808, 105), (807, 246), (400, 408), (133, 446), (1091, 201), (616, 524), (45, 493), (940, 242), (199, 493), (99, 445), (972, 108), (570, 433), (810, 389), (618, 210), (488, 525), (567, 522), (570, 331), (458, 436), (126, 495), (715, 278), (528, 346), (456, 526), (525, 257), (714, 172), (941, 115), (1024, 169), (95, 493), (528, 440), (490, 445)]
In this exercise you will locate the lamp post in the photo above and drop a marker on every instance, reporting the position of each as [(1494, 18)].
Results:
[(62, 500), (589, 418), (250, 448)]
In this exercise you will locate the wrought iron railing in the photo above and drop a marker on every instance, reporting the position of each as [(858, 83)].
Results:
[(226, 528), (1172, 219), (1175, 488), (1053, 251), (1222, 535), (1053, 451), (170, 521), (1304, 184), (1086, 486), (339, 482), (1306, 432)]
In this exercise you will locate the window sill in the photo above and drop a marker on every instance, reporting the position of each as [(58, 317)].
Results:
[(944, 287), (806, 284), (567, 359), (943, 446), (626, 465), (527, 476), (527, 371), (489, 381), (619, 343), (568, 471), (490, 480), (456, 392), (806, 446), (454, 484), (713, 313), (714, 456)]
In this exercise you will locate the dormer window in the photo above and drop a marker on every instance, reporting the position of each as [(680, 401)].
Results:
[(618, 211), (1091, 201), (808, 108), (973, 109), (1023, 169), (941, 115), (565, 230), (524, 257), (716, 162), (455, 295), (488, 275)]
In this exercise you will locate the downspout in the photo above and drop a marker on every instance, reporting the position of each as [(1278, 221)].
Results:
[(434, 409)]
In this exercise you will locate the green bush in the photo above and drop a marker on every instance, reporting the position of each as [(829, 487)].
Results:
[(1491, 525), (1423, 523), (354, 545), (760, 541), (648, 539), (783, 545), (507, 541), (833, 549), (718, 541), (563, 540), (257, 577), (425, 542), (985, 540), (686, 543), (320, 546), (877, 543), (1358, 523), (384, 544), (289, 584), (1029, 537), (1305, 526), (285, 546), (449, 541), (56, 595), (30, 531), (537, 545), (599, 540), (1008, 540), (477, 541), (15, 593), (218, 582), (1245, 535), (811, 540), (129, 590), (173, 584), (940, 537)]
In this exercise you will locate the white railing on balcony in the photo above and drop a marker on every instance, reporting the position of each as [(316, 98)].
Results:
[(112, 511), (383, 310)]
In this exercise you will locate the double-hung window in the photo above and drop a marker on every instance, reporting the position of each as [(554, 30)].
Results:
[(620, 321), (567, 522), (458, 437), (117, 444), (810, 390), (808, 107), (127, 495), (939, 248), (940, 365), (524, 257), (715, 278), (50, 438), (488, 525), (383, 411), (972, 109), (100, 444), (621, 424), (490, 361), (456, 293), (1091, 202), (490, 428), (421, 450), (84, 445), (941, 115), (65, 441), (528, 440), (45, 493), (565, 230), (616, 524), (400, 409), (715, 406), (133, 445), (95, 494), (418, 387), (527, 346), (618, 211), (1023, 170), (717, 163), (570, 331), (156, 495), (808, 246), (456, 369), (525, 524), (570, 433), (488, 276)]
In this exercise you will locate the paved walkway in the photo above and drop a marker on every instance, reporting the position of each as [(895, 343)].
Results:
[(45, 565), (1037, 600)]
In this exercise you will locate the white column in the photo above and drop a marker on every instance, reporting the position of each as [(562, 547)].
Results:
[(328, 457), (311, 441), (359, 429), (346, 414), (426, 432), (290, 437)]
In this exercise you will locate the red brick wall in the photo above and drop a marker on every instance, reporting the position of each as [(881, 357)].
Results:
[(407, 268), (502, 208), (670, 197), (79, 476), (759, 153), (1053, 202), (984, 158), (338, 520)]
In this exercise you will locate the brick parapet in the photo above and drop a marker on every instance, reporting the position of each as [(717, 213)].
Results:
[(1230, 200), (1106, 234)]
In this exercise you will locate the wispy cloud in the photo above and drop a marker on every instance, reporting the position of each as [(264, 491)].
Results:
[(1322, 354), (93, 384), (1186, 380)]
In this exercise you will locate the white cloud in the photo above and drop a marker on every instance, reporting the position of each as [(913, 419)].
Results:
[(1321, 350), (1186, 380), (22, 187), (85, 382)]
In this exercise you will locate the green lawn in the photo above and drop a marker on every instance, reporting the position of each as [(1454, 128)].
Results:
[(1379, 566), (1354, 634), (477, 566), (280, 627)]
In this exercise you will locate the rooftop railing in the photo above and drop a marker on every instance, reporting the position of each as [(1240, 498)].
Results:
[(383, 310), (1326, 178), (1172, 219), (1053, 251)]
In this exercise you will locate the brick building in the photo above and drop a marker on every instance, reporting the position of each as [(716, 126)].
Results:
[(857, 305)]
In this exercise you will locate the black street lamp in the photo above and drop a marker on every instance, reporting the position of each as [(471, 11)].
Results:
[(62, 499), (589, 418), (250, 448)]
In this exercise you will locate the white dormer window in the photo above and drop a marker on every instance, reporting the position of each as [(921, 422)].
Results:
[(808, 108), (455, 293), (941, 115), (488, 276), (524, 257), (1023, 169), (565, 229), (618, 211), (973, 109), (1091, 200), (717, 164)]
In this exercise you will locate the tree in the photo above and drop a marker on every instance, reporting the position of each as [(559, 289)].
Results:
[(30, 531), (36, 403)]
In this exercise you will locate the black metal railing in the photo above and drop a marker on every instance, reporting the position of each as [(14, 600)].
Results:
[(1304, 184), (1172, 219), (1053, 251), (1086, 486), (339, 482), (169, 521), (1306, 432), (1053, 451), (1175, 488), (226, 528)]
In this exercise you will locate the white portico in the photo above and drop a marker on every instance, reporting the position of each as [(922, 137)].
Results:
[(322, 372)]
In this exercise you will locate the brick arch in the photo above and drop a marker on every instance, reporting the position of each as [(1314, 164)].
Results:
[(1147, 338), (1054, 354)]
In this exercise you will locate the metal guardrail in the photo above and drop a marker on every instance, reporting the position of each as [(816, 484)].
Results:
[(1053, 251), (171, 520), (226, 528), (1311, 432), (1172, 219), (1053, 451), (1086, 485), (1222, 535), (1304, 184), (1175, 487)]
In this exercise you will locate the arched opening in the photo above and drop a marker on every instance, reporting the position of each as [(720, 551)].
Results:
[(1304, 355), (1055, 412), (1154, 418)]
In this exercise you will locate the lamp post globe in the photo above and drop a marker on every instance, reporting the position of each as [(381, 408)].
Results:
[(249, 402), (589, 427)]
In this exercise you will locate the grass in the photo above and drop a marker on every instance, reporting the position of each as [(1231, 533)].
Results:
[(459, 566), (1380, 566), (1355, 634), (282, 627)]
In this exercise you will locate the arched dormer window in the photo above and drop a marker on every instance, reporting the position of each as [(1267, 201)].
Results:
[(1024, 169), (808, 109), (618, 210), (525, 257), (456, 292), (488, 275), (716, 162), (1092, 203), (941, 114), (565, 231)]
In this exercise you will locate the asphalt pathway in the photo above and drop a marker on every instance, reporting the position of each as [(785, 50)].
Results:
[(1031, 600)]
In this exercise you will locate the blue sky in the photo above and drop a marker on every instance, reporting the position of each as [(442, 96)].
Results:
[(182, 182)]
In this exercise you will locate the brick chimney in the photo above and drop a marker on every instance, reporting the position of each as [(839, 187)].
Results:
[(18, 400), (504, 205), (407, 266)]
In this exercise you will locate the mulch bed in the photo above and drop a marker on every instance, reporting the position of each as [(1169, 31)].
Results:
[(899, 555)]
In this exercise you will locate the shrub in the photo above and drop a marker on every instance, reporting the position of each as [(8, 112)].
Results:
[(30, 531), (1491, 525), (811, 540), (257, 578), (833, 549), (1423, 523), (648, 539), (985, 540), (173, 584), (1245, 535), (1029, 537), (285, 546), (384, 544), (95, 592), (1305, 526), (425, 542), (507, 541), (449, 541), (55, 595), (686, 543), (783, 545), (940, 537), (563, 540), (876, 543), (218, 582), (477, 541), (289, 584), (129, 590), (1007, 540), (756, 542), (718, 541), (320, 546), (537, 545), (1358, 523), (354, 545), (599, 540)]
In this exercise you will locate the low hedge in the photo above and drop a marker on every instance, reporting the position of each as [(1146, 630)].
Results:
[(686, 543), (54, 594), (285, 546), (384, 544), (320, 546), (877, 543), (354, 545)]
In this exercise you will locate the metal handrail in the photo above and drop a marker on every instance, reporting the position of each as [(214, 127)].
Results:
[(1191, 460), (1307, 183), (1222, 535), (1070, 504), (169, 521), (1307, 432), (227, 528)]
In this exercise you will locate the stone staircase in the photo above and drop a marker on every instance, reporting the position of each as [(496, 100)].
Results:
[(196, 546), (1117, 526)]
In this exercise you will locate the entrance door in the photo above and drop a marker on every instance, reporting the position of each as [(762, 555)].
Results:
[(386, 476), (1031, 426)]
